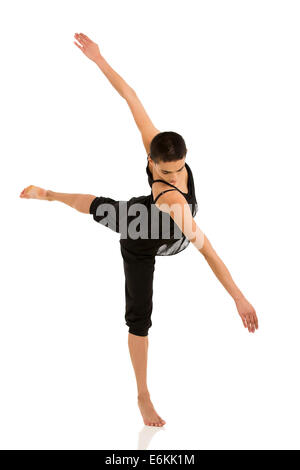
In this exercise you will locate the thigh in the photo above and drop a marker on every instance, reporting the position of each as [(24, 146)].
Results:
[(139, 275), (109, 212)]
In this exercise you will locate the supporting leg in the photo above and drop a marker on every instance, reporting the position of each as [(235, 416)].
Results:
[(138, 348)]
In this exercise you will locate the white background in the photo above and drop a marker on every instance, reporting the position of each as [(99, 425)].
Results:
[(225, 75)]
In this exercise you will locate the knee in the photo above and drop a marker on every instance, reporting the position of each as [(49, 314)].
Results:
[(134, 331), (83, 202), (138, 326)]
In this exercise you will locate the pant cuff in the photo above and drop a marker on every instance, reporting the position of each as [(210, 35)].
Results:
[(138, 333)]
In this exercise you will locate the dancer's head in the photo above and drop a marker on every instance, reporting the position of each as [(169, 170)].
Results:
[(168, 152)]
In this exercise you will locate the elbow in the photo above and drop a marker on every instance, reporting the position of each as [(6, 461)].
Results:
[(198, 240), (128, 93), (206, 249)]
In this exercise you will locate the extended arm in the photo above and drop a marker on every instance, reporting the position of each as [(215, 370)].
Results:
[(142, 120), (175, 204)]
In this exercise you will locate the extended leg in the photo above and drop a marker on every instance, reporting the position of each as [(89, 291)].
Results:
[(80, 202)]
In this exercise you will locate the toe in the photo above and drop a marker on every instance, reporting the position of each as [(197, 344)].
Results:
[(162, 420)]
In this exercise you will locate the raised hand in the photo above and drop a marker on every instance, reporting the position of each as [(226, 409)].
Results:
[(87, 46), (247, 314)]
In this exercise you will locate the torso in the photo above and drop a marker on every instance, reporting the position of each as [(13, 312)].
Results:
[(166, 244)]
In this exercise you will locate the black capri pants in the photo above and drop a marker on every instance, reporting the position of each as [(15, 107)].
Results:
[(139, 274)]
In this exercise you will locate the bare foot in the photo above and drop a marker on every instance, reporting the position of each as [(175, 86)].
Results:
[(34, 192), (150, 417)]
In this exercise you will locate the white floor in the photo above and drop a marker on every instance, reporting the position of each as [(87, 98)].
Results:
[(67, 379)]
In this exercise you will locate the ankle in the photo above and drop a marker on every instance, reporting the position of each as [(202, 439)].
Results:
[(143, 394), (49, 195)]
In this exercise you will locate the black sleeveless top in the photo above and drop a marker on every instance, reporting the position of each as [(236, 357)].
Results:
[(175, 241)]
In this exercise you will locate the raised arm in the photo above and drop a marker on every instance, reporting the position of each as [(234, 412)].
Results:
[(176, 206), (91, 50)]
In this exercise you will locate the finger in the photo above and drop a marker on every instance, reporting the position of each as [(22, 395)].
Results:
[(81, 42), (86, 37), (80, 39), (244, 322), (253, 322), (79, 47), (254, 318), (248, 323)]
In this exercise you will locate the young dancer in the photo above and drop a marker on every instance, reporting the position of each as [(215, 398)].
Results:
[(165, 226)]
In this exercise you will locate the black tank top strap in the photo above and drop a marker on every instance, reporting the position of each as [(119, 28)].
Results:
[(163, 181), (163, 193)]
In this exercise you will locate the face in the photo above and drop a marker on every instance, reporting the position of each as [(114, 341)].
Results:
[(170, 171)]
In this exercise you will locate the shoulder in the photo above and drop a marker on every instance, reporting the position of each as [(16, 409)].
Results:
[(170, 200)]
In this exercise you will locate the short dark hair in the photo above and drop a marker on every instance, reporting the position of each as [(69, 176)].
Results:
[(167, 147)]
